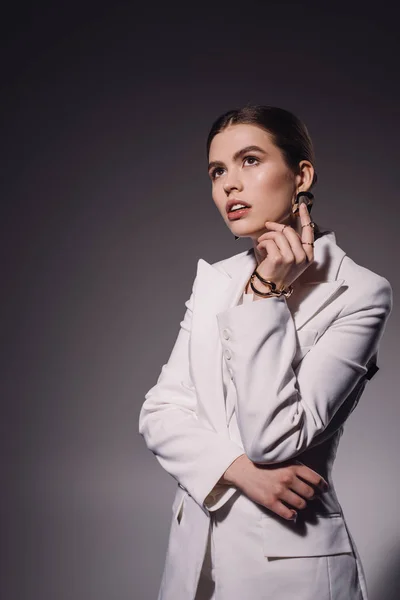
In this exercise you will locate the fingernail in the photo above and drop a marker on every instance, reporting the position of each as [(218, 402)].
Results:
[(294, 517)]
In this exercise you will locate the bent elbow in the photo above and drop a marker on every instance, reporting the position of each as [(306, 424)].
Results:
[(144, 420), (142, 423)]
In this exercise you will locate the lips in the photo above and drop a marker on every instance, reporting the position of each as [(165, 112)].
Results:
[(234, 201)]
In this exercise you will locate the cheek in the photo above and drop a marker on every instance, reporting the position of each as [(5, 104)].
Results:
[(269, 180), (219, 197), (270, 185)]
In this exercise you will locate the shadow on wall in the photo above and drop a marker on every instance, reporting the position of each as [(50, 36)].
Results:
[(387, 585)]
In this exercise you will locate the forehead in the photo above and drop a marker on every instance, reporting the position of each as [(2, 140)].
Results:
[(235, 137)]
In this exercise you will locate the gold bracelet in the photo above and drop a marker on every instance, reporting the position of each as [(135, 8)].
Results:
[(274, 292), (262, 294)]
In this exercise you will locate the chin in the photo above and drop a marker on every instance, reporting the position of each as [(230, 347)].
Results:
[(251, 232)]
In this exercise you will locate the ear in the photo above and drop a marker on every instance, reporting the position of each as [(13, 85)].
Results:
[(305, 175)]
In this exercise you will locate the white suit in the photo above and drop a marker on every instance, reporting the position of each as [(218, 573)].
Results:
[(297, 368)]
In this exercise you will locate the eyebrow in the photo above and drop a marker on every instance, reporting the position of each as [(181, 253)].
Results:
[(238, 154)]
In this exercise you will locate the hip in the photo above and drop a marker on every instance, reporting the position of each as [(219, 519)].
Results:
[(237, 565)]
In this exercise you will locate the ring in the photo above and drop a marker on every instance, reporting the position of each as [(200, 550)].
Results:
[(311, 223), (308, 243)]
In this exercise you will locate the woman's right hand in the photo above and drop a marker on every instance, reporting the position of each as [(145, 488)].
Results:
[(271, 485)]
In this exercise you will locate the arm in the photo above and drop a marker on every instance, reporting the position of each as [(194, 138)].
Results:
[(196, 456), (280, 414), (345, 409)]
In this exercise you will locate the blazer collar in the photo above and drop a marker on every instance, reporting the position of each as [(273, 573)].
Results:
[(224, 281)]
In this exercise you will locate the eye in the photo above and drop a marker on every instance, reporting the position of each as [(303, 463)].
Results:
[(214, 172), (251, 158)]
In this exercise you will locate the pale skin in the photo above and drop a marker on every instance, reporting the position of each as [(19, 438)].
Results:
[(260, 177)]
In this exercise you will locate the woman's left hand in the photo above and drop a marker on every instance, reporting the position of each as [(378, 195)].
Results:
[(286, 256)]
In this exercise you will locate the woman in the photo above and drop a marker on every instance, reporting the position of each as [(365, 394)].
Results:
[(274, 351)]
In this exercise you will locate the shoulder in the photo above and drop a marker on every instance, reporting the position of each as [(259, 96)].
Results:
[(364, 286)]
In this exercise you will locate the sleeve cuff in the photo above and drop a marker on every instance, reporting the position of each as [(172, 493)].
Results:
[(218, 496)]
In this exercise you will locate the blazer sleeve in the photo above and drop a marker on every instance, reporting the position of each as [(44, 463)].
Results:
[(281, 413), (195, 455)]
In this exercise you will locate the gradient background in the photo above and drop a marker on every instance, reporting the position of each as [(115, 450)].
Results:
[(106, 209)]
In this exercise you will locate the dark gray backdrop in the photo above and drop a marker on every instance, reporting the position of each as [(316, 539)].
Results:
[(106, 208)]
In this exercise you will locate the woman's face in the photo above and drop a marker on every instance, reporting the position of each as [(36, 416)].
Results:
[(246, 166)]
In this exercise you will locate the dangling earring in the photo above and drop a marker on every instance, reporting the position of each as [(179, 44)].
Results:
[(237, 238), (309, 202)]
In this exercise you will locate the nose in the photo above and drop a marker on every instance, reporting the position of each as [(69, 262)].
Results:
[(232, 182)]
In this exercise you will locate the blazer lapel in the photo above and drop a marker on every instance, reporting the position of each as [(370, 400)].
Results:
[(216, 290), (220, 287)]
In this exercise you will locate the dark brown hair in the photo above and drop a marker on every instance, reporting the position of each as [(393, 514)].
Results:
[(288, 132)]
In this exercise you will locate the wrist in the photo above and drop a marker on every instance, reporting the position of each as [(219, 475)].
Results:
[(268, 287), (233, 473)]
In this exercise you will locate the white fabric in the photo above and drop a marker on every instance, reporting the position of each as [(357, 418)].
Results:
[(235, 567), (219, 491), (237, 532), (299, 367), (229, 389)]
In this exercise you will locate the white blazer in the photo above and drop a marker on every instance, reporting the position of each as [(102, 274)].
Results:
[(299, 366)]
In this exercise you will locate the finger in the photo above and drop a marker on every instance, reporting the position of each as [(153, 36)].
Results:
[(271, 249), (293, 499), (307, 232), (310, 476), (294, 240), (273, 225), (283, 229), (283, 511), (282, 244), (303, 489)]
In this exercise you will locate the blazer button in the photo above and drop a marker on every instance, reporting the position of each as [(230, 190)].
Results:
[(225, 334), (227, 354)]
